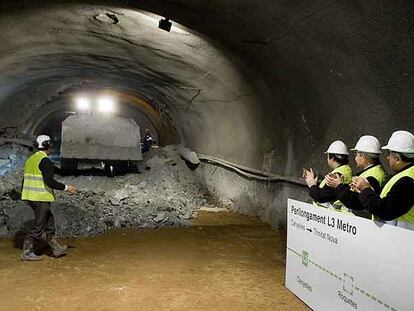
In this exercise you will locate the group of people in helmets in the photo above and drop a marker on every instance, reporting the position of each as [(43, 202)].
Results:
[(371, 193)]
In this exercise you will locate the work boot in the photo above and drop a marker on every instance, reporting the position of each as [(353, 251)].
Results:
[(28, 253), (57, 249)]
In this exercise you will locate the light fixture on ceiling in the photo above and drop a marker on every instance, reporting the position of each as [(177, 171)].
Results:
[(165, 24)]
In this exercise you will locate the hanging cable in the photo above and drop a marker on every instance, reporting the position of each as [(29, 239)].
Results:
[(250, 172)]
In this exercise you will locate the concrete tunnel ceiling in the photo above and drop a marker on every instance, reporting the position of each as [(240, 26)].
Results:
[(238, 79)]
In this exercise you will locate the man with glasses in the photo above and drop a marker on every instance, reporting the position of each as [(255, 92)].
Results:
[(368, 150), (396, 201)]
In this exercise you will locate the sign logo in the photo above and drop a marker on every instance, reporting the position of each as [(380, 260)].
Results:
[(305, 258)]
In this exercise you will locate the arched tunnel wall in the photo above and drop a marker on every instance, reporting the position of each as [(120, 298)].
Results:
[(267, 85)]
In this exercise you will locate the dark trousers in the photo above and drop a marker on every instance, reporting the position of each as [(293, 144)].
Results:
[(44, 220)]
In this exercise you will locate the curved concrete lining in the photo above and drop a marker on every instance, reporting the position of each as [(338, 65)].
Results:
[(182, 73)]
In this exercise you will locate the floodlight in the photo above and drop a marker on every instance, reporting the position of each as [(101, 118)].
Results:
[(106, 104), (83, 103)]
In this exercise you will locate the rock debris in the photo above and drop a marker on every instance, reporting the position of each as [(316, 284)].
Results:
[(167, 194)]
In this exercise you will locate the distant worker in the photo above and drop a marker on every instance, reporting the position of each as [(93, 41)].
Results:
[(323, 195), (147, 141), (368, 150), (38, 183), (396, 200)]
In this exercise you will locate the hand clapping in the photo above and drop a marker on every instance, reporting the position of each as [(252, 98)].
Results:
[(310, 177), (358, 184), (333, 180)]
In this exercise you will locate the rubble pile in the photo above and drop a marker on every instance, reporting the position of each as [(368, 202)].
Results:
[(12, 158), (168, 194)]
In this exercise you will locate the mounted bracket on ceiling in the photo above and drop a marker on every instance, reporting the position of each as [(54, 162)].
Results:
[(165, 24)]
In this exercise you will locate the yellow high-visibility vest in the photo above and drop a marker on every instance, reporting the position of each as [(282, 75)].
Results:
[(378, 172), (407, 220), (34, 187), (346, 172)]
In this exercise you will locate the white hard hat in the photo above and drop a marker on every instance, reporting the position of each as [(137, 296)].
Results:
[(42, 141), (338, 147), (401, 141), (368, 144)]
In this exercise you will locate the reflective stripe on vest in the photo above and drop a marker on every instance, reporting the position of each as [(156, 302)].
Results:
[(346, 172), (406, 220), (34, 187)]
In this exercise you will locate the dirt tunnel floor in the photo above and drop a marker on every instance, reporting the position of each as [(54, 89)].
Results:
[(224, 262)]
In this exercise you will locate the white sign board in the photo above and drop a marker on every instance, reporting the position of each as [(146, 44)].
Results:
[(337, 261)]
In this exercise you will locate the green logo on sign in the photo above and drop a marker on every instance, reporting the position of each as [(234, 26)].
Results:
[(305, 258)]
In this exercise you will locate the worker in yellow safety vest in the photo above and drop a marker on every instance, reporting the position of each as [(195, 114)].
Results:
[(322, 194), (38, 185), (396, 200), (368, 150)]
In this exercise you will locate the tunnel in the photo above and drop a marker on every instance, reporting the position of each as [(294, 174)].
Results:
[(258, 90)]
